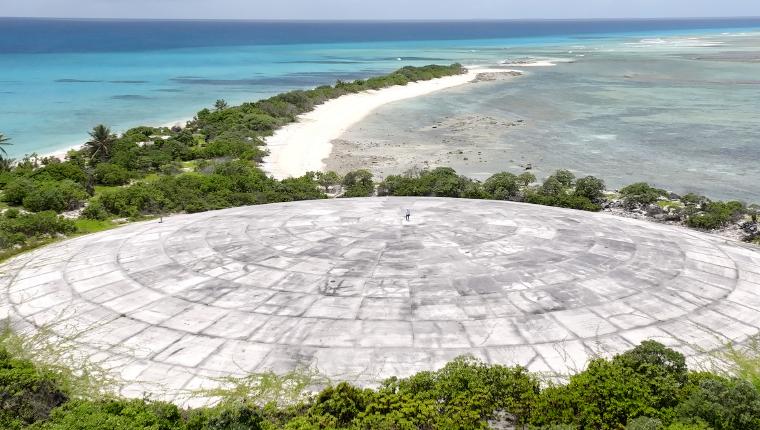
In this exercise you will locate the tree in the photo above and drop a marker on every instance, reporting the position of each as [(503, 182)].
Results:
[(590, 187), (640, 194), (565, 177), (100, 143), (4, 141), (526, 178), (6, 164), (553, 187), (358, 184), (723, 403), (327, 179), (111, 174), (220, 105), (502, 186)]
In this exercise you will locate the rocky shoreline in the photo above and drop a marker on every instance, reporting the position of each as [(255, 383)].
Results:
[(667, 211)]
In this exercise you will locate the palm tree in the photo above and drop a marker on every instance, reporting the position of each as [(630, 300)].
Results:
[(3, 142), (99, 146)]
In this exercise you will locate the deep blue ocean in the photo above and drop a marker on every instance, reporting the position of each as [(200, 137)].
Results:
[(60, 77), (33, 36)]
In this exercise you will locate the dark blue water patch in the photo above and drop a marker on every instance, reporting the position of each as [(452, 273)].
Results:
[(76, 81), (291, 80), (95, 81), (729, 56), (321, 62), (25, 35), (130, 97), (412, 59)]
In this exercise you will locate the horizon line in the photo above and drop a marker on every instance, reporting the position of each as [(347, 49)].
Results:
[(370, 20)]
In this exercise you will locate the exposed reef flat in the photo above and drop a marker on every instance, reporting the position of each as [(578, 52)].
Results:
[(304, 145)]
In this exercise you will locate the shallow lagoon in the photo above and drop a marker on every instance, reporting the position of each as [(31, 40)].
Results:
[(680, 112)]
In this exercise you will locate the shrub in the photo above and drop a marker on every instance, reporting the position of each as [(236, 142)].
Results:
[(340, 404), (640, 194), (590, 187), (692, 199), (439, 182), (562, 200), (565, 177), (58, 171), (662, 368), (230, 416), (16, 190), (95, 210), (605, 397), (724, 404), (358, 184), (132, 201), (56, 196), (553, 187), (116, 415), (644, 382), (502, 186), (27, 394), (716, 215), (644, 423), (111, 174), (467, 392), (526, 178), (327, 179), (16, 229)]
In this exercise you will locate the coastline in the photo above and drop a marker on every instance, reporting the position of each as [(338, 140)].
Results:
[(61, 153), (304, 145)]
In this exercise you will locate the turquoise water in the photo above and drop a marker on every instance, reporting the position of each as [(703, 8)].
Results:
[(59, 78)]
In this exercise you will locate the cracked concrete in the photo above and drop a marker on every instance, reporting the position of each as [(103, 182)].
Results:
[(351, 289)]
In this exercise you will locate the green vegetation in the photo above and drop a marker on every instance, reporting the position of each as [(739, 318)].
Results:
[(648, 387), (356, 184), (213, 163), (147, 171), (3, 142), (712, 215), (640, 194), (559, 189)]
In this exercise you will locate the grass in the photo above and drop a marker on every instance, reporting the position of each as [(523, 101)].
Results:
[(265, 388), (84, 226), (743, 360), (152, 177), (87, 226), (6, 254), (83, 378), (200, 139), (99, 189), (669, 204), (79, 376)]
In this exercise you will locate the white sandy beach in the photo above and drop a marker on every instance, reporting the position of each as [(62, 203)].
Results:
[(302, 146)]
